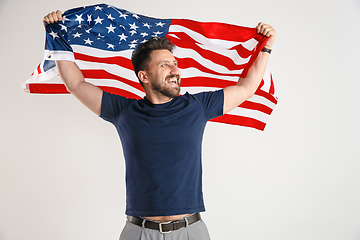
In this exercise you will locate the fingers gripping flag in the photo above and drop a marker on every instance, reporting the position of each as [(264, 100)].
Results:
[(101, 38)]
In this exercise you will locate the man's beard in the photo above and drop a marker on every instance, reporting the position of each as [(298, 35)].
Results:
[(167, 91)]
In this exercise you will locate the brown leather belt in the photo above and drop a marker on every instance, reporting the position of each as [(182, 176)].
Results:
[(165, 227)]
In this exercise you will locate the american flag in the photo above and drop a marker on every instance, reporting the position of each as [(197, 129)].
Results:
[(100, 39)]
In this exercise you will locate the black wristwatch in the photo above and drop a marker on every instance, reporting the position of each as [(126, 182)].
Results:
[(266, 50)]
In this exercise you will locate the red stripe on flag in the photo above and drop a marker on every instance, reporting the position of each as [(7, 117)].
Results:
[(191, 63), (47, 88), (266, 95), (120, 92), (102, 74), (216, 30), (256, 106), (120, 61), (240, 120), (272, 86), (207, 54), (39, 69)]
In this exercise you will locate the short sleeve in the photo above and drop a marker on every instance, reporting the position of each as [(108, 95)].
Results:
[(213, 103), (112, 105)]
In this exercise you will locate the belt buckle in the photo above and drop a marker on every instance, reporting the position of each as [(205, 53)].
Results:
[(160, 227)]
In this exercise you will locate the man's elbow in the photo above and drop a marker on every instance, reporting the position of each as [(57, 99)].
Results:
[(249, 93)]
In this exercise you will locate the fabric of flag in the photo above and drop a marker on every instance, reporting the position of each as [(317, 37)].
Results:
[(101, 38)]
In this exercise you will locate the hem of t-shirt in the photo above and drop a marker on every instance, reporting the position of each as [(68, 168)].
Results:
[(156, 213)]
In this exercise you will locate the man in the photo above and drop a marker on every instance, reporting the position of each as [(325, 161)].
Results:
[(162, 135)]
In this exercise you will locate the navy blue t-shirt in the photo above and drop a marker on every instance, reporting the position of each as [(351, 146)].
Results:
[(162, 150)]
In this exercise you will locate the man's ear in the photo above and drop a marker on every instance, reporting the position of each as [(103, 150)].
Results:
[(143, 76)]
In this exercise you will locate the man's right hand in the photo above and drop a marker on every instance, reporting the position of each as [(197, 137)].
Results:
[(53, 17)]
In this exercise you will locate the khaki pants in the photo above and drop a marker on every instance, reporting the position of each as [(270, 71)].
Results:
[(196, 231)]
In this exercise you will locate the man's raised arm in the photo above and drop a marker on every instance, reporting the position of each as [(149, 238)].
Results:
[(87, 93), (246, 87)]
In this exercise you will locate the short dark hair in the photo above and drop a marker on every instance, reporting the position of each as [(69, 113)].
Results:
[(141, 55)]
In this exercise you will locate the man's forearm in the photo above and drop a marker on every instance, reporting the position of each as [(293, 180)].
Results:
[(246, 87), (255, 74)]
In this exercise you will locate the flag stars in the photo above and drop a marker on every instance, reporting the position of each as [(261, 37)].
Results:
[(110, 17), (110, 46), (88, 41), (122, 37), (64, 19), (98, 20), (89, 18), (77, 35), (53, 34), (99, 36), (79, 18), (123, 15), (98, 8), (144, 34), (88, 31), (63, 27), (132, 32), (136, 16), (160, 24), (157, 33), (111, 28), (132, 46), (133, 26), (147, 25)]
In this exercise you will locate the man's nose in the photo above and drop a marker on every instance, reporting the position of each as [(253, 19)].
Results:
[(174, 70)]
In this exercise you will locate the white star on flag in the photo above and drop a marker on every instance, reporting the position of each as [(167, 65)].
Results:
[(122, 37), (98, 20), (77, 35), (89, 18), (88, 41), (79, 18), (63, 27), (133, 26), (136, 16), (160, 24), (147, 25), (111, 28), (53, 34), (144, 34), (110, 17), (123, 15)]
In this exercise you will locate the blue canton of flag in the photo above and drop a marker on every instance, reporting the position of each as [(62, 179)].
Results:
[(103, 27)]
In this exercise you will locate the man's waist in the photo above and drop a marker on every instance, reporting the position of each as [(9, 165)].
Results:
[(165, 227), (167, 218)]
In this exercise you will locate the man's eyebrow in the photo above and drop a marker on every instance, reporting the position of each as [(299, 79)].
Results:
[(167, 61)]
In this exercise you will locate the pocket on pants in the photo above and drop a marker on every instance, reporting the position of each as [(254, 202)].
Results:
[(131, 232), (198, 231)]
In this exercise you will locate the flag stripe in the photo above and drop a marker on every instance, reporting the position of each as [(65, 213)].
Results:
[(240, 120)]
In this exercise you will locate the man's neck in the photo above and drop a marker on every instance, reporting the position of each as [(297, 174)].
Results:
[(158, 98)]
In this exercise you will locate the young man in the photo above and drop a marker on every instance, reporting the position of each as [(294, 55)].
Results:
[(162, 135)]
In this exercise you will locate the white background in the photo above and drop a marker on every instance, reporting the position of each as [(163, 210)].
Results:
[(62, 169)]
